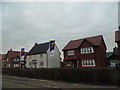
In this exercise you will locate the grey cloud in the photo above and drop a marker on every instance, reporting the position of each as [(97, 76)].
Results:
[(27, 23)]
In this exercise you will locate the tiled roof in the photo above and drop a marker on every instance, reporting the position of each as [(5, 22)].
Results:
[(113, 57), (115, 52), (39, 48), (12, 54), (3, 56), (96, 40), (108, 54)]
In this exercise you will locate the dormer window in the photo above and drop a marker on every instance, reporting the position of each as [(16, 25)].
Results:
[(70, 52), (87, 50)]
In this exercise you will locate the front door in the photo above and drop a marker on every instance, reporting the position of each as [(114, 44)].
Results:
[(75, 64)]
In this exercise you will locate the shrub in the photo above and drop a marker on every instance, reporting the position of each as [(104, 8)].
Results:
[(86, 75)]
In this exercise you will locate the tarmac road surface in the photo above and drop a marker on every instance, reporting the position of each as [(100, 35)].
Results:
[(20, 82)]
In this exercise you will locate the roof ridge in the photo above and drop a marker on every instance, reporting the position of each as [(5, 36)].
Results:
[(39, 48), (14, 51), (43, 43), (87, 38), (94, 40)]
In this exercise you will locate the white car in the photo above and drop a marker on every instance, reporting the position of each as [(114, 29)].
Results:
[(112, 65)]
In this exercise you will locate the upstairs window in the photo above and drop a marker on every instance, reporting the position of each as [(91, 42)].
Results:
[(16, 59), (91, 50), (87, 50), (41, 55), (70, 52)]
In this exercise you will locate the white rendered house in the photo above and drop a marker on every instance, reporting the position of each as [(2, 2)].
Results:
[(39, 57)]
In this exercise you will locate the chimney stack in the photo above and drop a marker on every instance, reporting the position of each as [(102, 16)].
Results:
[(10, 49), (119, 27), (114, 49), (36, 44)]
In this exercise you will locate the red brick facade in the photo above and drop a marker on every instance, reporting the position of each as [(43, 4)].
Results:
[(8, 59), (78, 59)]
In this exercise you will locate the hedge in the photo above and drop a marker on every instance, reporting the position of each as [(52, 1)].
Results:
[(87, 75)]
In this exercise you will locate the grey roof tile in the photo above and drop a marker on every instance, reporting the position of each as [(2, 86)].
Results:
[(39, 48)]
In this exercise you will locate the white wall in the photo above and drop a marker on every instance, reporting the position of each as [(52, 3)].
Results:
[(54, 61), (38, 58), (49, 61)]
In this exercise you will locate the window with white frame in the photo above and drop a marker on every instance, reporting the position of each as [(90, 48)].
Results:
[(68, 63), (34, 63), (7, 59), (9, 65), (29, 63), (16, 59), (41, 55), (16, 65), (71, 52), (87, 50), (88, 63), (41, 63)]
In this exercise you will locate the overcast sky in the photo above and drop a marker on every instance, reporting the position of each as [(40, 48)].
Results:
[(24, 24)]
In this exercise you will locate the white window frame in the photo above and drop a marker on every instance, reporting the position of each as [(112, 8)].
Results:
[(41, 63), (68, 63), (34, 63), (16, 65), (70, 52), (87, 50), (29, 63), (7, 59), (17, 59), (88, 63), (41, 55), (9, 65)]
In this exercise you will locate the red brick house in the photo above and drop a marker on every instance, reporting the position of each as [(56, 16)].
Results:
[(12, 59), (0, 60), (117, 40), (3, 60), (86, 52)]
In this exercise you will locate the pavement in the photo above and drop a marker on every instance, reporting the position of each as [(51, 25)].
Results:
[(20, 82)]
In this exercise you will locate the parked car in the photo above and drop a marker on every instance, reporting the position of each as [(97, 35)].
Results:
[(113, 65)]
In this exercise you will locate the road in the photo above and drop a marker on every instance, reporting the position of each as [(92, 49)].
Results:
[(18, 82)]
